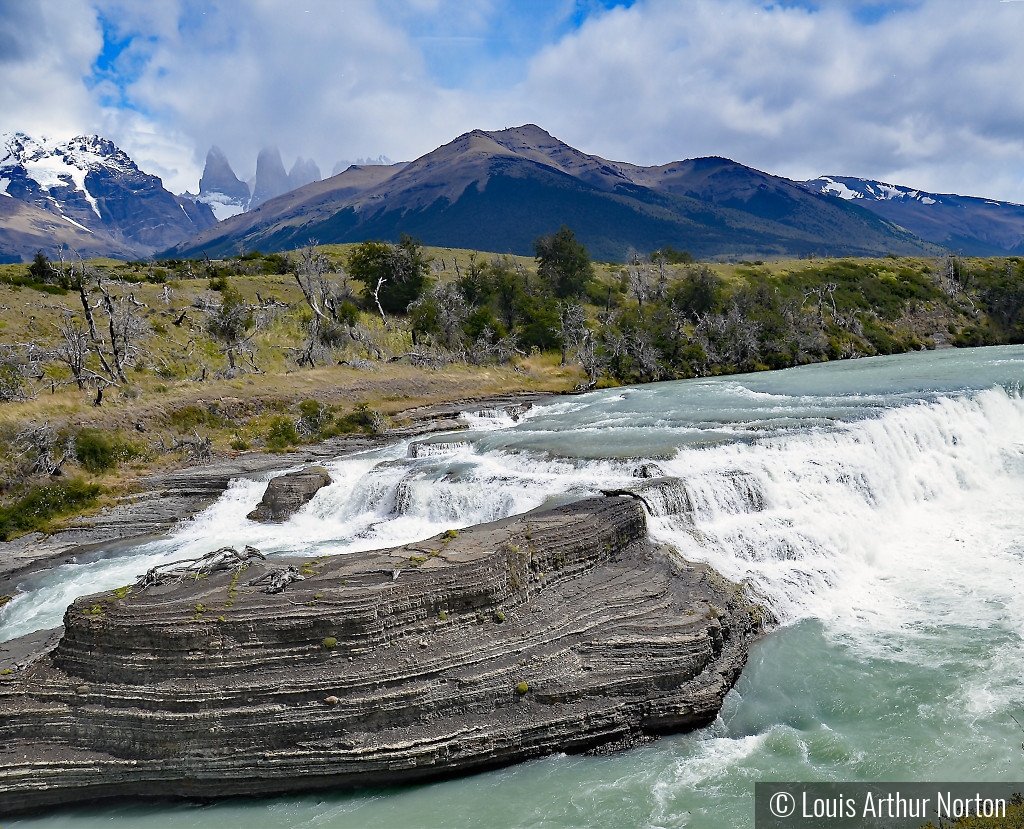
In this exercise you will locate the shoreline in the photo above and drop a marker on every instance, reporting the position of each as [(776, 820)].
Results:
[(169, 497)]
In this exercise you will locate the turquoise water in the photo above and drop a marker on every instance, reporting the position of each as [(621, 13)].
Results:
[(873, 504)]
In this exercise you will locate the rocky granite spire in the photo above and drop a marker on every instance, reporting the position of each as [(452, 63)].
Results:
[(271, 178), (304, 171), (218, 177)]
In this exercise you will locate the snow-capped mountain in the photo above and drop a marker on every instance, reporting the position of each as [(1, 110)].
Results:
[(861, 188), (94, 189), (970, 225), (220, 188)]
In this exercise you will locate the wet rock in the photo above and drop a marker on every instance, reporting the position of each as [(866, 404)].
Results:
[(211, 688), (648, 470), (287, 494)]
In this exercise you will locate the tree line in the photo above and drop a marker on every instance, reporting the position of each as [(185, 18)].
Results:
[(658, 316)]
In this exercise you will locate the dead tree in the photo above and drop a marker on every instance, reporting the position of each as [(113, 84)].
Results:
[(820, 294), (73, 348), (640, 278), (572, 327), (326, 291), (42, 450), (232, 323), (124, 328)]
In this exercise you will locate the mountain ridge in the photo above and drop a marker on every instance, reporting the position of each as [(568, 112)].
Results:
[(971, 225), (500, 190)]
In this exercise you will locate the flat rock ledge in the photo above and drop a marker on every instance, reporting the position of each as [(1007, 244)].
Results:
[(558, 630)]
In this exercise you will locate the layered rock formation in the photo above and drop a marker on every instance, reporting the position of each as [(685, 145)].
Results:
[(558, 630)]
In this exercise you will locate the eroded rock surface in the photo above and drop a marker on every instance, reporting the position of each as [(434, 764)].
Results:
[(287, 494), (560, 630)]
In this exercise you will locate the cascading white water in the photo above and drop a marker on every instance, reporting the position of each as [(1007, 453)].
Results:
[(856, 523), (871, 505)]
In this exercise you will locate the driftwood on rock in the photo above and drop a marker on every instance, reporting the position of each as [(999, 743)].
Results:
[(628, 493), (560, 630), (226, 558), (276, 580)]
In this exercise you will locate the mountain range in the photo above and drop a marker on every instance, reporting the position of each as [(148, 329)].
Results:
[(228, 196), (493, 191), (87, 194), (501, 190)]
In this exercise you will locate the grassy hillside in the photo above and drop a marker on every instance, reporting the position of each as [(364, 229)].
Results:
[(486, 325)]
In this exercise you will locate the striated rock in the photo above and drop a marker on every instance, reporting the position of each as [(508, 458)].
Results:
[(558, 630), (286, 494)]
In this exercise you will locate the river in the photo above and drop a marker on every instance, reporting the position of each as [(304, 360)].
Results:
[(874, 505)]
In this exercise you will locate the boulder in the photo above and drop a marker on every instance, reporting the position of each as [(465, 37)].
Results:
[(286, 494)]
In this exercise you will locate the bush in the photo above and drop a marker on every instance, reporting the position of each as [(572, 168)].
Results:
[(188, 418), (362, 419), (314, 416), (98, 451), (43, 503), (281, 434)]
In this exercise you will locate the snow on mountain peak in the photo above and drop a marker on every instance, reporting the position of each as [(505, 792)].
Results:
[(848, 188), (59, 164), (837, 188)]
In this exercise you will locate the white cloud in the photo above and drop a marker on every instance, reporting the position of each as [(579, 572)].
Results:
[(926, 96), (927, 93), (46, 50)]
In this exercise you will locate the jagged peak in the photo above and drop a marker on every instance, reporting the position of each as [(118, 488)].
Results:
[(83, 152)]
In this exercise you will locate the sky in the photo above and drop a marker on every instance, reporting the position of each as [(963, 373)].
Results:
[(927, 94)]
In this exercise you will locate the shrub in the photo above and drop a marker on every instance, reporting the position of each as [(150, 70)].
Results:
[(330, 643), (42, 503), (362, 419), (281, 434), (522, 688), (314, 416), (348, 313), (98, 451), (188, 418)]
